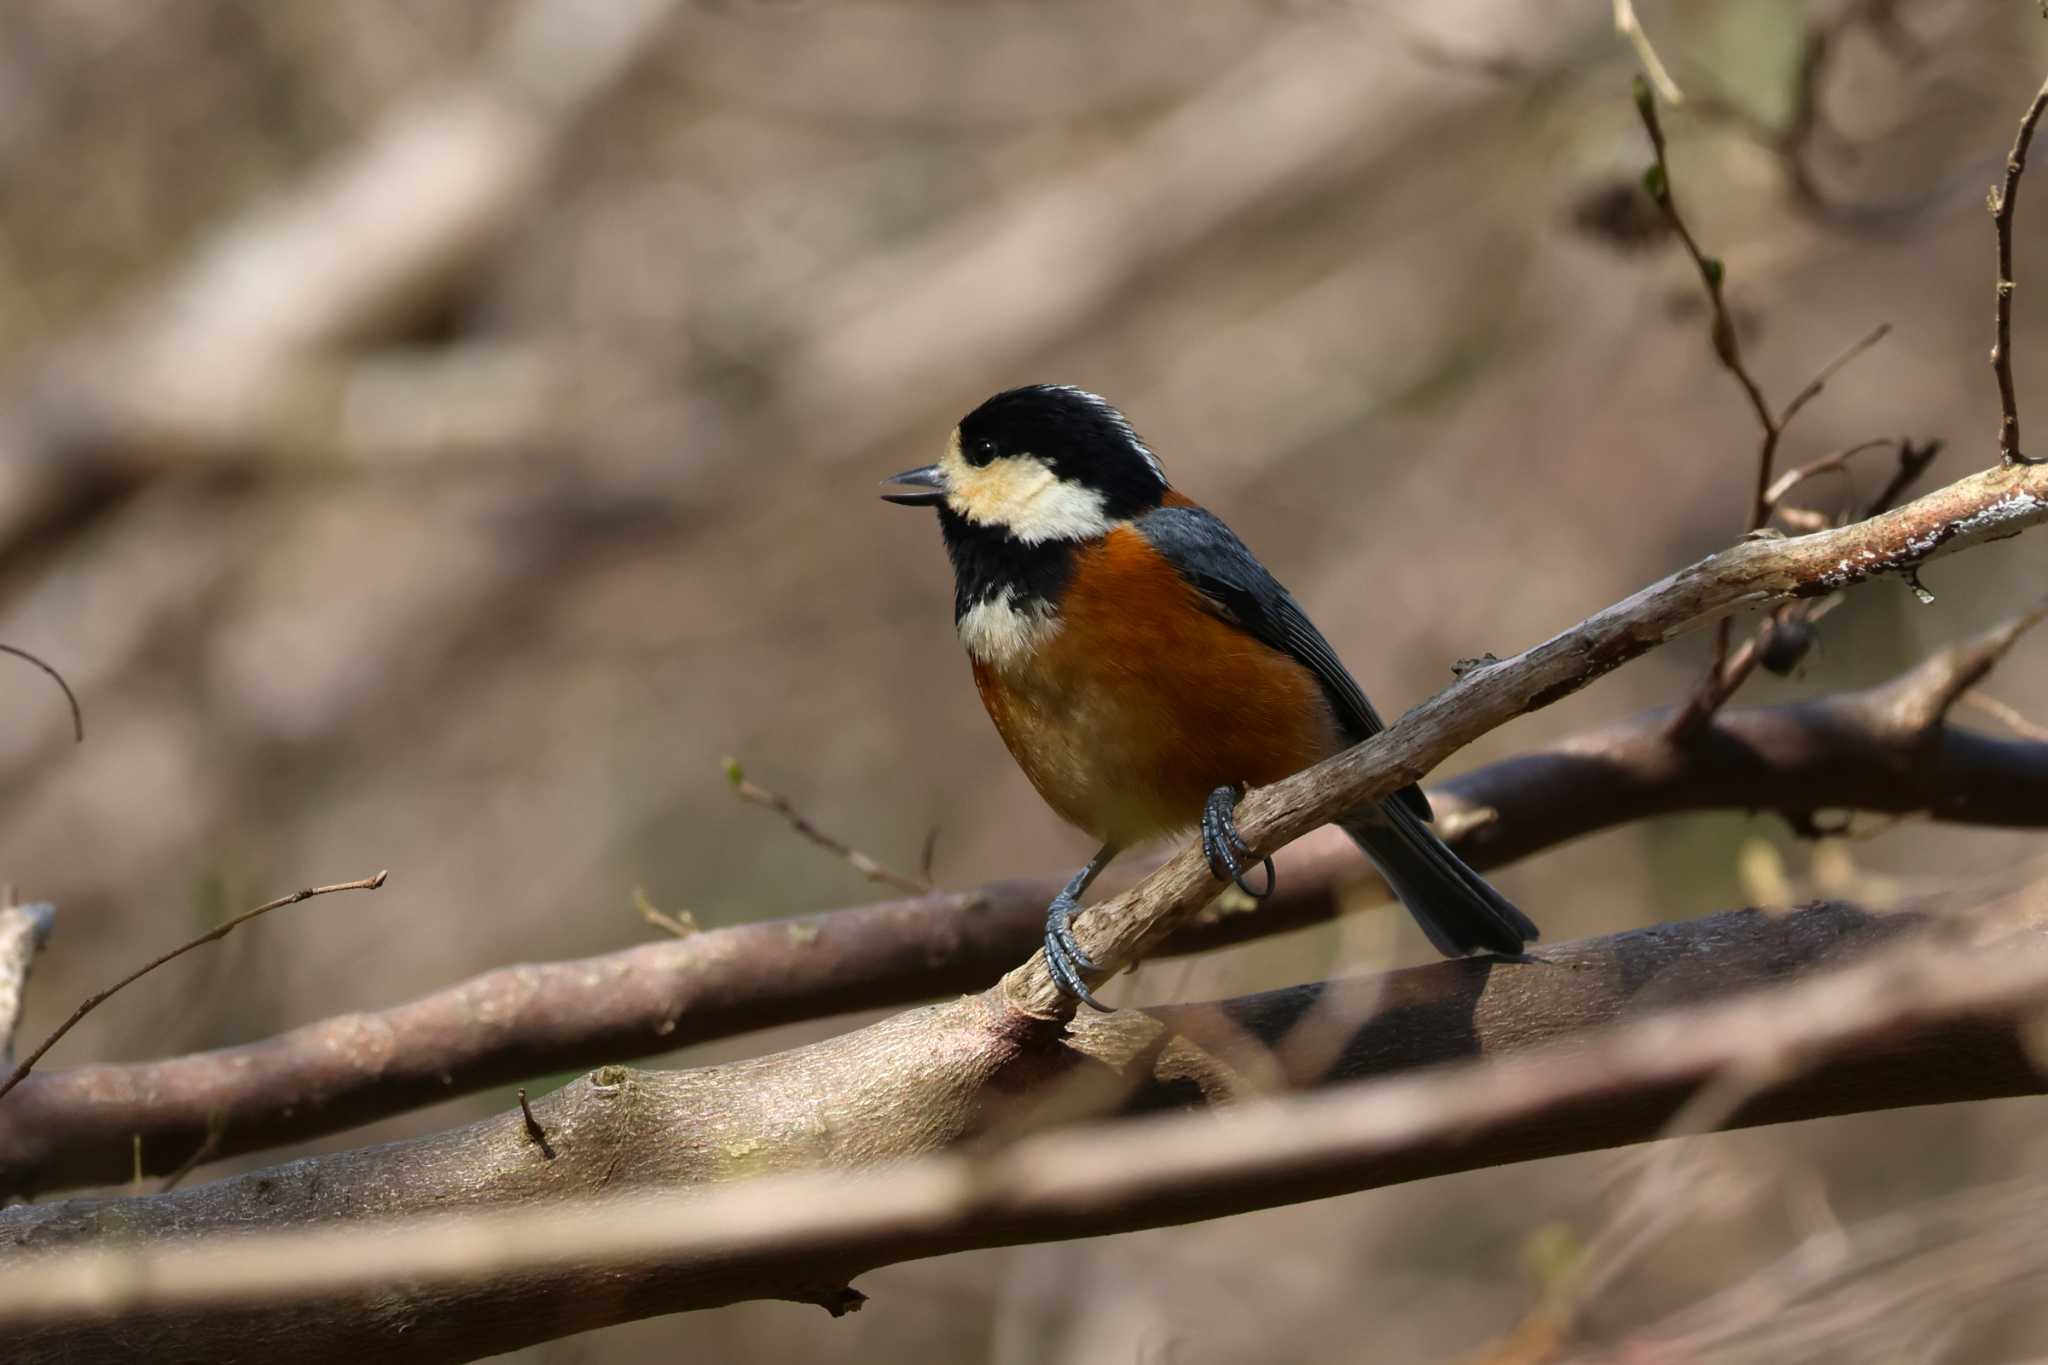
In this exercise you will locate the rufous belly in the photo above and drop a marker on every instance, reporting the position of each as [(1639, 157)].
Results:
[(1140, 700)]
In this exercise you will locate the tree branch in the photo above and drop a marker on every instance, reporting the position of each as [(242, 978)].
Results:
[(350, 1274), (213, 935), (2003, 201), (1884, 750), (1995, 504)]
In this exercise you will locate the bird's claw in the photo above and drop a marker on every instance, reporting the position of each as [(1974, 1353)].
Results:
[(1225, 849), (1063, 955)]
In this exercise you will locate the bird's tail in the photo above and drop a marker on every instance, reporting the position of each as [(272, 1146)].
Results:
[(1455, 906)]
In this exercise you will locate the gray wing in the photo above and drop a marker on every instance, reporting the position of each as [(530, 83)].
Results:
[(1211, 557)]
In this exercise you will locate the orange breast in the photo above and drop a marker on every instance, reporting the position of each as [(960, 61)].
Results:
[(1144, 701)]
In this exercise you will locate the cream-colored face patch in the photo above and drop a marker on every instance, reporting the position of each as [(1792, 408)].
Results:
[(1021, 494), (999, 632)]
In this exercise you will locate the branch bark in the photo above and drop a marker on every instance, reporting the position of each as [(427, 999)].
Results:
[(350, 1274), (1886, 750)]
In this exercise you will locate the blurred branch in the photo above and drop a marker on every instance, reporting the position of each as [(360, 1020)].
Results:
[(1807, 126), (70, 697), (1837, 463), (2003, 202), (2006, 714), (359, 250), (24, 929), (1631, 28), (1864, 1291), (896, 342), (1886, 749), (617, 1226), (213, 935)]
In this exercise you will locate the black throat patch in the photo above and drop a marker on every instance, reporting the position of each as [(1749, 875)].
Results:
[(988, 559)]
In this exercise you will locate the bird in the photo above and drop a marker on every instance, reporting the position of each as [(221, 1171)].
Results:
[(1144, 669)]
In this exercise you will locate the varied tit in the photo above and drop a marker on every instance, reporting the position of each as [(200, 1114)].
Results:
[(1144, 668)]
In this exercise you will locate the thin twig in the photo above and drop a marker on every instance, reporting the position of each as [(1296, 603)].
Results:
[(77, 716), (2006, 714), (1837, 463), (2002, 202), (216, 1134), (1629, 27), (682, 924), (534, 1131), (98, 998), (1827, 372), (1722, 674), (1789, 622), (1727, 349), (860, 862), (1913, 462)]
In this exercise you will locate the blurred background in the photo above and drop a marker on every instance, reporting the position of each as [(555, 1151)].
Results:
[(434, 436)]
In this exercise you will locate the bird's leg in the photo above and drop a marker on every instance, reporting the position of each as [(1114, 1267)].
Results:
[(1223, 847), (1063, 956)]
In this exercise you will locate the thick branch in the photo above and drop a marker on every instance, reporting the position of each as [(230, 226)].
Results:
[(1921, 1024), (1883, 750)]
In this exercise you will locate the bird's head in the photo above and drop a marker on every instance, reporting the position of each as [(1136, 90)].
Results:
[(1041, 464)]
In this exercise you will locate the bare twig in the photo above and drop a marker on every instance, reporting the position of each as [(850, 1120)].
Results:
[(682, 924), (544, 1249), (1786, 634), (1913, 461), (1723, 676), (1629, 27), (2006, 714), (868, 867), (534, 1131), (1727, 346), (1720, 680), (216, 1132), (1869, 750), (220, 931), (1820, 380), (77, 716), (2002, 202)]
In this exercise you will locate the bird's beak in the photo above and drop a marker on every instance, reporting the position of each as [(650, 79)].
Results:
[(928, 477)]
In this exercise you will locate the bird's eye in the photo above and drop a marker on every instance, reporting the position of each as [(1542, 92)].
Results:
[(982, 451)]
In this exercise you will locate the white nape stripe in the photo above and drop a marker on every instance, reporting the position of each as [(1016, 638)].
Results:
[(999, 632), (1109, 412)]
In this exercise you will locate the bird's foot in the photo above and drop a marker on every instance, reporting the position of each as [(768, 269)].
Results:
[(1224, 848), (1063, 955)]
